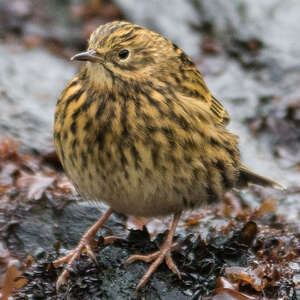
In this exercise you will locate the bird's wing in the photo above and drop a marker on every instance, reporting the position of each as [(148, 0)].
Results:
[(220, 113), (193, 86)]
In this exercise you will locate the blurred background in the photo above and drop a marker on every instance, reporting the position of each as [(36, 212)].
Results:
[(247, 50)]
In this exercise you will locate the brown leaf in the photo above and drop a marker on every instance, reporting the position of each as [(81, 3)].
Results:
[(231, 205), (248, 233), (12, 281), (136, 222), (268, 205), (246, 276), (222, 282), (192, 220), (8, 150), (36, 184), (228, 294)]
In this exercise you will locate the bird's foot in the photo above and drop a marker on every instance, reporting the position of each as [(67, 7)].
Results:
[(164, 253), (86, 244), (157, 257)]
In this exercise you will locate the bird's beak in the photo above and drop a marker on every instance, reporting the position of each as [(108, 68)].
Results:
[(90, 55)]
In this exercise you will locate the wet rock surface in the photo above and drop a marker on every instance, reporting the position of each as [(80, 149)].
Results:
[(236, 255), (28, 96), (247, 52)]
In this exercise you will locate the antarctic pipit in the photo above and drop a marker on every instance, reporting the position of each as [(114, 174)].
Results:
[(138, 129)]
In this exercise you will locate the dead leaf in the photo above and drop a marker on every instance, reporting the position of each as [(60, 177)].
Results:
[(267, 206), (228, 294), (36, 184), (136, 222), (8, 150), (231, 205), (246, 276), (248, 233), (12, 281)]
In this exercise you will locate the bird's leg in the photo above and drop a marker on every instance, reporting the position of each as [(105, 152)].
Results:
[(164, 253), (86, 242)]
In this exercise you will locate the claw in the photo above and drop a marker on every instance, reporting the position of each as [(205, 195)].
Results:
[(86, 243), (159, 256)]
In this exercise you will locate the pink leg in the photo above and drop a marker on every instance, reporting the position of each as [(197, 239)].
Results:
[(159, 256), (86, 242)]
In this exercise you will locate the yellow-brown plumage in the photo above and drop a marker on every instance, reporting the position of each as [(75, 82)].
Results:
[(138, 129)]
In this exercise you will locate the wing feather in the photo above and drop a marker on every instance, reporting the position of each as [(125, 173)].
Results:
[(221, 115), (193, 86)]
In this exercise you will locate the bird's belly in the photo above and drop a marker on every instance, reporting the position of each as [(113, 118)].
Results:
[(149, 177), (136, 193), (150, 199)]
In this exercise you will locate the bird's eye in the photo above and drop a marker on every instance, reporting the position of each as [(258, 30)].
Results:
[(123, 54)]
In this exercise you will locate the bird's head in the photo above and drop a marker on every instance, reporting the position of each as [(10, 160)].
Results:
[(130, 52)]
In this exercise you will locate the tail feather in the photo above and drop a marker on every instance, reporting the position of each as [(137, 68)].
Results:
[(248, 177)]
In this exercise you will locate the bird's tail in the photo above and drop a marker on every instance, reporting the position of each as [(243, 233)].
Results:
[(248, 177)]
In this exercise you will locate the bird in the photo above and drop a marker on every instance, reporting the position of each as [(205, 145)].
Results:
[(138, 129)]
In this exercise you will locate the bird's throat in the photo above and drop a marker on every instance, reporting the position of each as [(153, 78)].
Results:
[(99, 77)]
